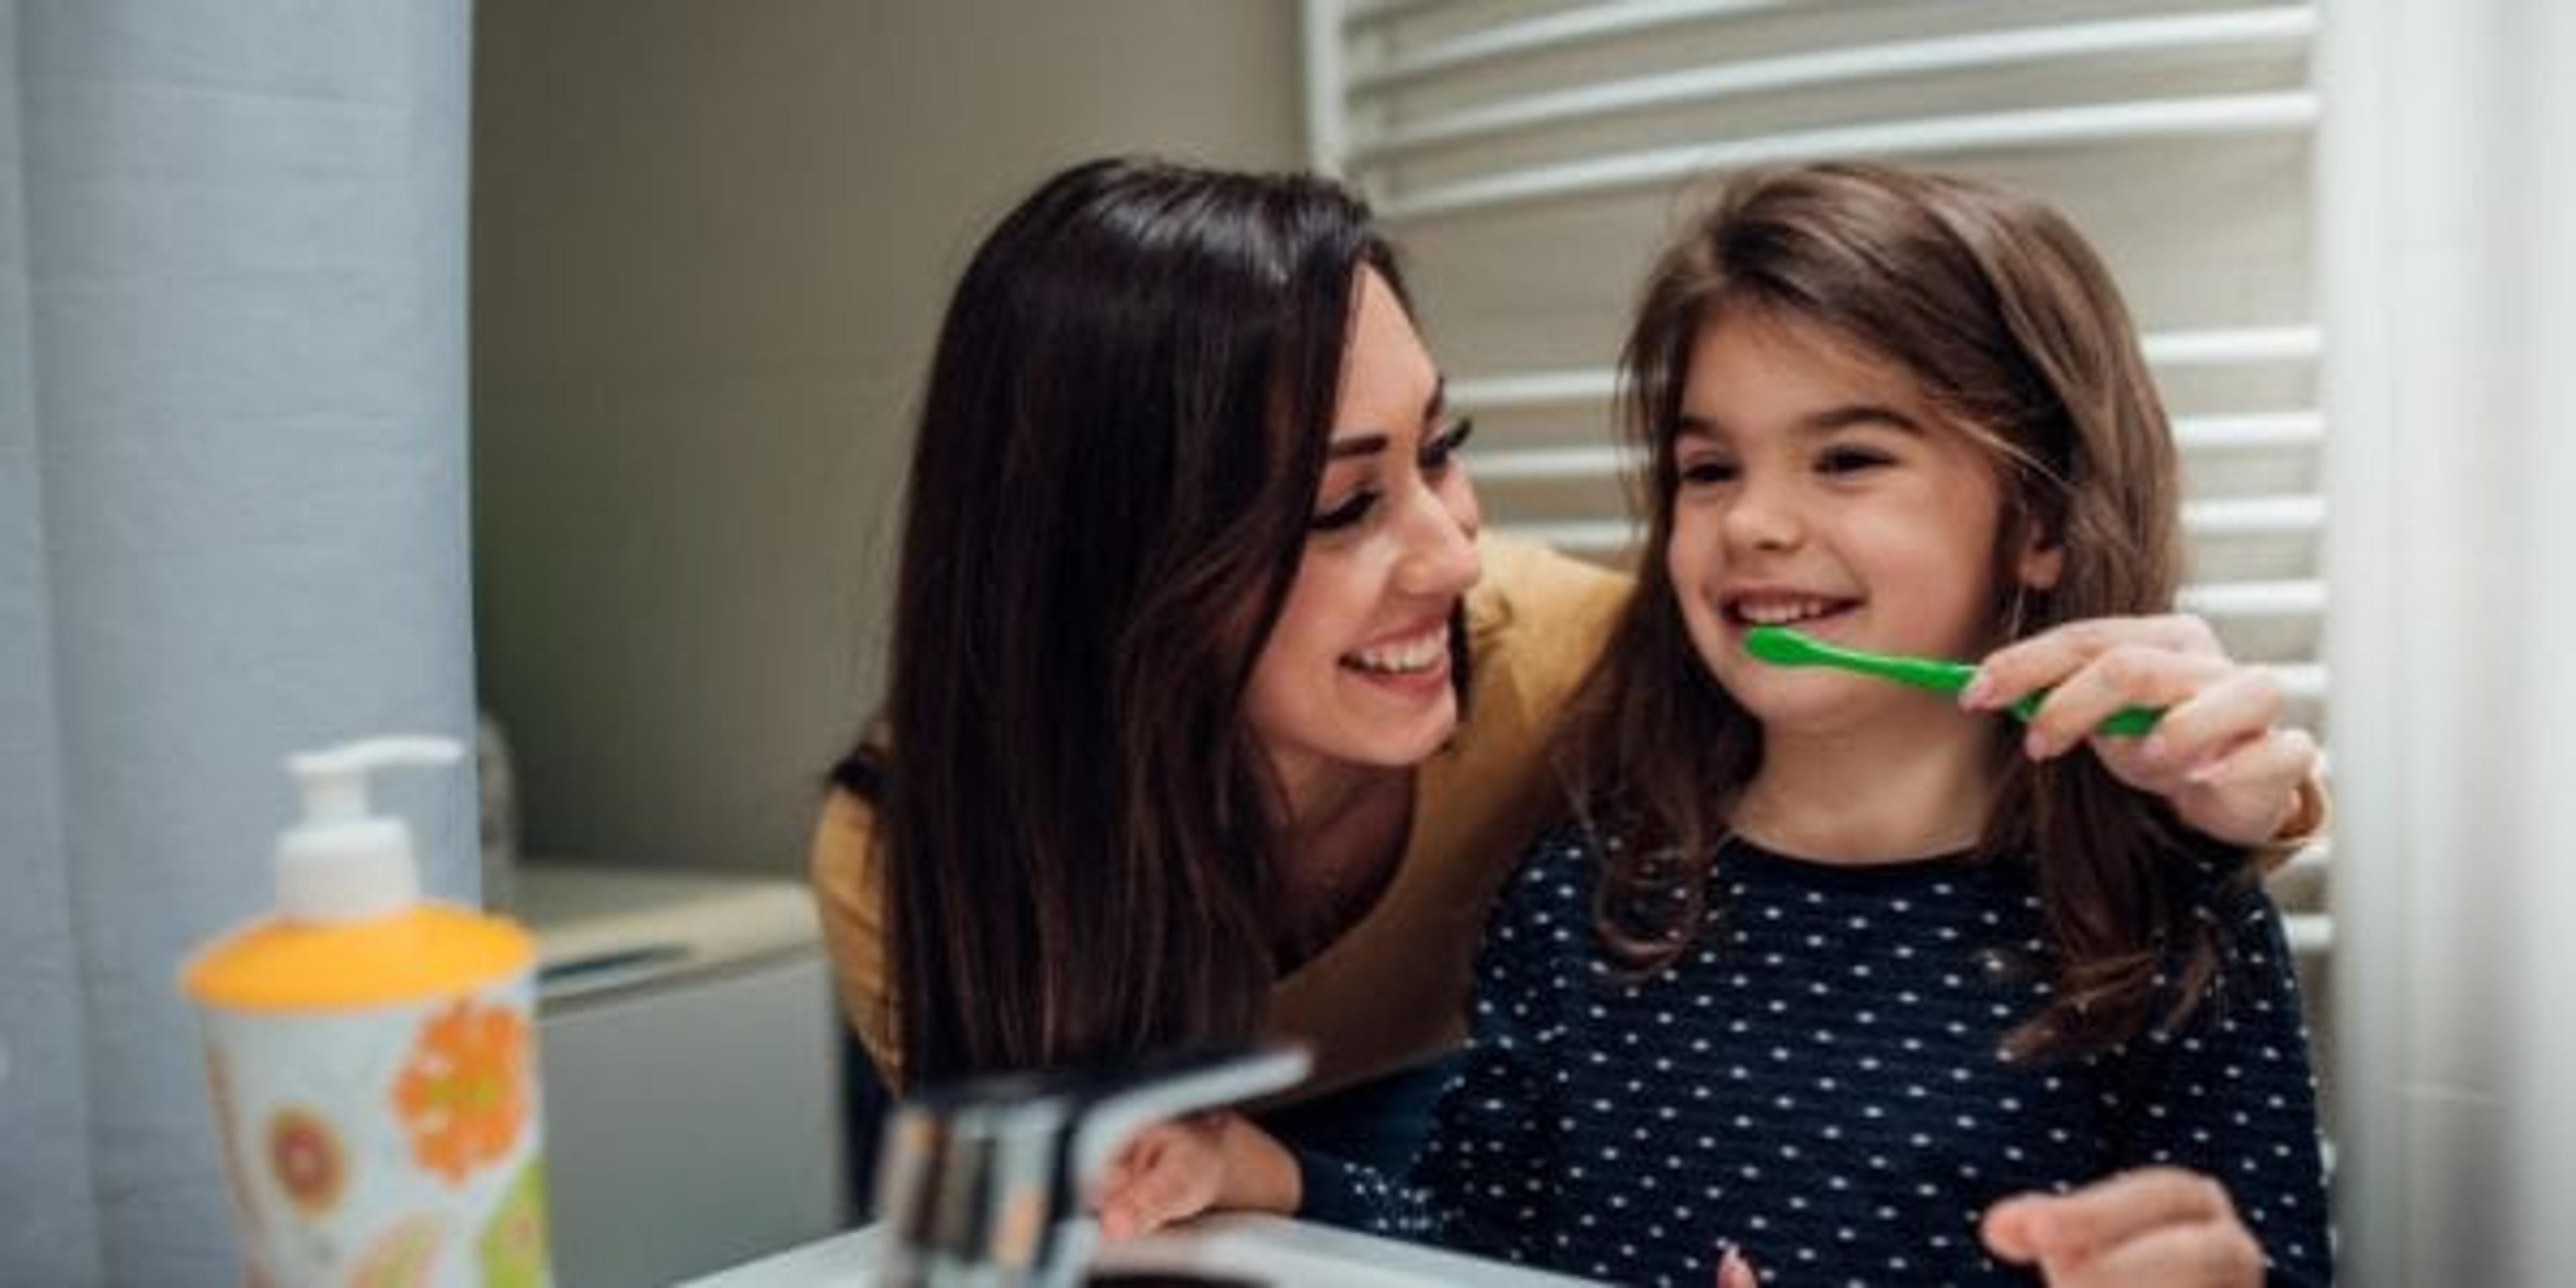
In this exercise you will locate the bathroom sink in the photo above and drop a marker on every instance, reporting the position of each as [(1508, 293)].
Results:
[(1259, 1249)]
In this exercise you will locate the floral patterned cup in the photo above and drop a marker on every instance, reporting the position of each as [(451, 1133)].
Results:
[(395, 1146)]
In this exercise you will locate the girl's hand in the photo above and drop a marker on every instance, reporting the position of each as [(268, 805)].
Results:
[(2219, 755), (1733, 1271), (1174, 1171), (2157, 1225)]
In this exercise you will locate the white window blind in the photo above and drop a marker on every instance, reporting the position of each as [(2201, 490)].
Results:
[(1531, 154)]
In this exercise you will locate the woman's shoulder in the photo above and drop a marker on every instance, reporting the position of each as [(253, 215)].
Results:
[(1533, 591), (1535, 623), (845, 837)]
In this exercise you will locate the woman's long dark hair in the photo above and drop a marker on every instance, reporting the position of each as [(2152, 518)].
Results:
[(1117, 460), (2008, 321)]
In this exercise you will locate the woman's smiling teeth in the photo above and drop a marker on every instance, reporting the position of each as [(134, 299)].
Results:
[(1405, 656), (1781, 610)]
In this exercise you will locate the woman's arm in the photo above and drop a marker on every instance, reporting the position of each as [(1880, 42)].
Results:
[(2220, 755), (849, 893)]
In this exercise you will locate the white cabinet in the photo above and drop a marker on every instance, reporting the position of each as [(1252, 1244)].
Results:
[(691, 1061)]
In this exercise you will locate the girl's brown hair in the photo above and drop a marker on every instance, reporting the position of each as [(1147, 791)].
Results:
[(2010, 324)]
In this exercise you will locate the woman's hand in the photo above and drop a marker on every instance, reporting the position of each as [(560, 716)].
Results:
[(2157, 1225), (2219, 755), (1174, 1171)]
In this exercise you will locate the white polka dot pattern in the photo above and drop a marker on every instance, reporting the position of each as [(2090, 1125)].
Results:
[(1819, 1081)]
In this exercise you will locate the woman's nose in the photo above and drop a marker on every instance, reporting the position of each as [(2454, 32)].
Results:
[(1440, 540)]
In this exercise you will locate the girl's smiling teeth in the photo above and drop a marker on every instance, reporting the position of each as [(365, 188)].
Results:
[(1409, 655), (1781, 609)]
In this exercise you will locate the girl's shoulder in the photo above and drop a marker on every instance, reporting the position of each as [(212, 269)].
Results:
[(1568, 848), (1553, 883)]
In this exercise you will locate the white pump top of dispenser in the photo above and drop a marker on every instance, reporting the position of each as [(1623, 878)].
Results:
[(343, 863)]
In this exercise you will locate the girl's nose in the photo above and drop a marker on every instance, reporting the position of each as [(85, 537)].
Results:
[(1762, 516), (1440, 541)]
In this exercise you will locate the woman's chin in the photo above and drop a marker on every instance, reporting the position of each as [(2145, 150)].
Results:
[(1404, 745)]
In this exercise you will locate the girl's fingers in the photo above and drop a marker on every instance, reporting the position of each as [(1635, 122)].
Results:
[(2202, 1254), (2006, 1228), (1170, 1172), (1733, 1271), (2073, 1227), (1116, 1221), (1122, 1194), (1144, 1205), (1161, 1198)]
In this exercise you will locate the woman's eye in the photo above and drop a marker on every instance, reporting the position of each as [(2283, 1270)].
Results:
[(1851, 460), (1346, 513), (1440, 448)]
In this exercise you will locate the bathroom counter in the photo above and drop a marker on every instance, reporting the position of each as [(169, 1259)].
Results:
[(1263, 1249)]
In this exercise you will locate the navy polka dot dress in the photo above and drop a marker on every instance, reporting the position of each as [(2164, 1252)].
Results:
[(1818, 1081)]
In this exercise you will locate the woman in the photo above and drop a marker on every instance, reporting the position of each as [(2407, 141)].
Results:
[(1211, 711)]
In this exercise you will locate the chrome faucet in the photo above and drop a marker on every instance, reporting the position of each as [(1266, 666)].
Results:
[(987, 1183)]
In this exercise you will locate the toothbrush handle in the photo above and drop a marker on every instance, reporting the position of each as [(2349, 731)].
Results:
[(2127, 722)]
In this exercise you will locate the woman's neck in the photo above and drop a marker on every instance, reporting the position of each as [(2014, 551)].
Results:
[(1338, 848), (1881, 794)]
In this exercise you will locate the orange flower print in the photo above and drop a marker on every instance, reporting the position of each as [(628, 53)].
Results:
[(465, 1092), (310, 1163)]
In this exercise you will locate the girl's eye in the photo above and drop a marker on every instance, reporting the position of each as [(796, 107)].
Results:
[(1347, 513), (1438, 449), (1851, 460), (1705, 470)]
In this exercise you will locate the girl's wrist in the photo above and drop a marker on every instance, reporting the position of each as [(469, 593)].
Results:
[(1261, 1175)]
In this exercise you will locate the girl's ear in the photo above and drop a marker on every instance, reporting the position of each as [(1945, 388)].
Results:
[(2043, 560)]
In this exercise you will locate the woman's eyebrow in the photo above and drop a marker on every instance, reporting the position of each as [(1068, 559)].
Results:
[(1369, 442)]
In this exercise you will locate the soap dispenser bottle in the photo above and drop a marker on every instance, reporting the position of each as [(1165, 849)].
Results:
[(372, 1057)]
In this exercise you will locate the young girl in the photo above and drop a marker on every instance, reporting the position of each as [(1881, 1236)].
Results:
[(1834, 972)]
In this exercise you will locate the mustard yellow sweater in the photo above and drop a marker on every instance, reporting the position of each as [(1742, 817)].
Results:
[(1392, 990)]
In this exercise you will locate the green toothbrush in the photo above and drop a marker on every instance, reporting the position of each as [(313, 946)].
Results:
[(1782, 646)]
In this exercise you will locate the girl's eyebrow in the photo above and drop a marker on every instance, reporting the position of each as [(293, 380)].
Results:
[(1370, 442), (1845, 417), (1814, 423)]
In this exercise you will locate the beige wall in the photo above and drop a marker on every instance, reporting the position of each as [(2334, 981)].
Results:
[(711, 242)]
